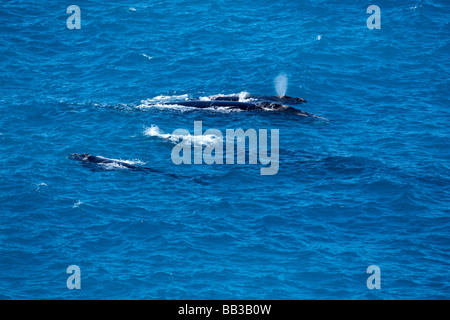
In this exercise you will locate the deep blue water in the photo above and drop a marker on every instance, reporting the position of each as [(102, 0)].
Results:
[(371, 186)]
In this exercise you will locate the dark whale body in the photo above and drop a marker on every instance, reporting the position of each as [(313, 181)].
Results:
[(247, 102), (257, 105), (252, 105), (285, 99), (87, 158), (96, 162)]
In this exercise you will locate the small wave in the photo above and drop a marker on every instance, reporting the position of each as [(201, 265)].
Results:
[(77, 204), (40, 186), (148, 57)]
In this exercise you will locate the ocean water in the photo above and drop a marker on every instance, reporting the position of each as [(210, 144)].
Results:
[(370, 186)]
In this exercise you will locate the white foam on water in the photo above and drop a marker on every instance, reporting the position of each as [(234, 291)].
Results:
[(243, 96), (155, 131), (146, 106), (271, 108), (40, 186), (223, 109), (131, 162), (117, 164), (77, 204), (112, 166), (163, 102), (163, 98)]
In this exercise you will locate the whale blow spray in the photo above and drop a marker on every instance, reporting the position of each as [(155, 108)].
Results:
[(281, 83)]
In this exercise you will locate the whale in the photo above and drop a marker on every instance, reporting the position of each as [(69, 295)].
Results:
[(237, 97), (99, 162), (241, 105), (253, 105)]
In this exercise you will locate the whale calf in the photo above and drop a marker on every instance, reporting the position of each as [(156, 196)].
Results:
[(102, 162), (99, 163)]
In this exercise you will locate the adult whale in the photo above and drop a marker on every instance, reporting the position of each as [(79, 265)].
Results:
[(238, 97), (241, 105)]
